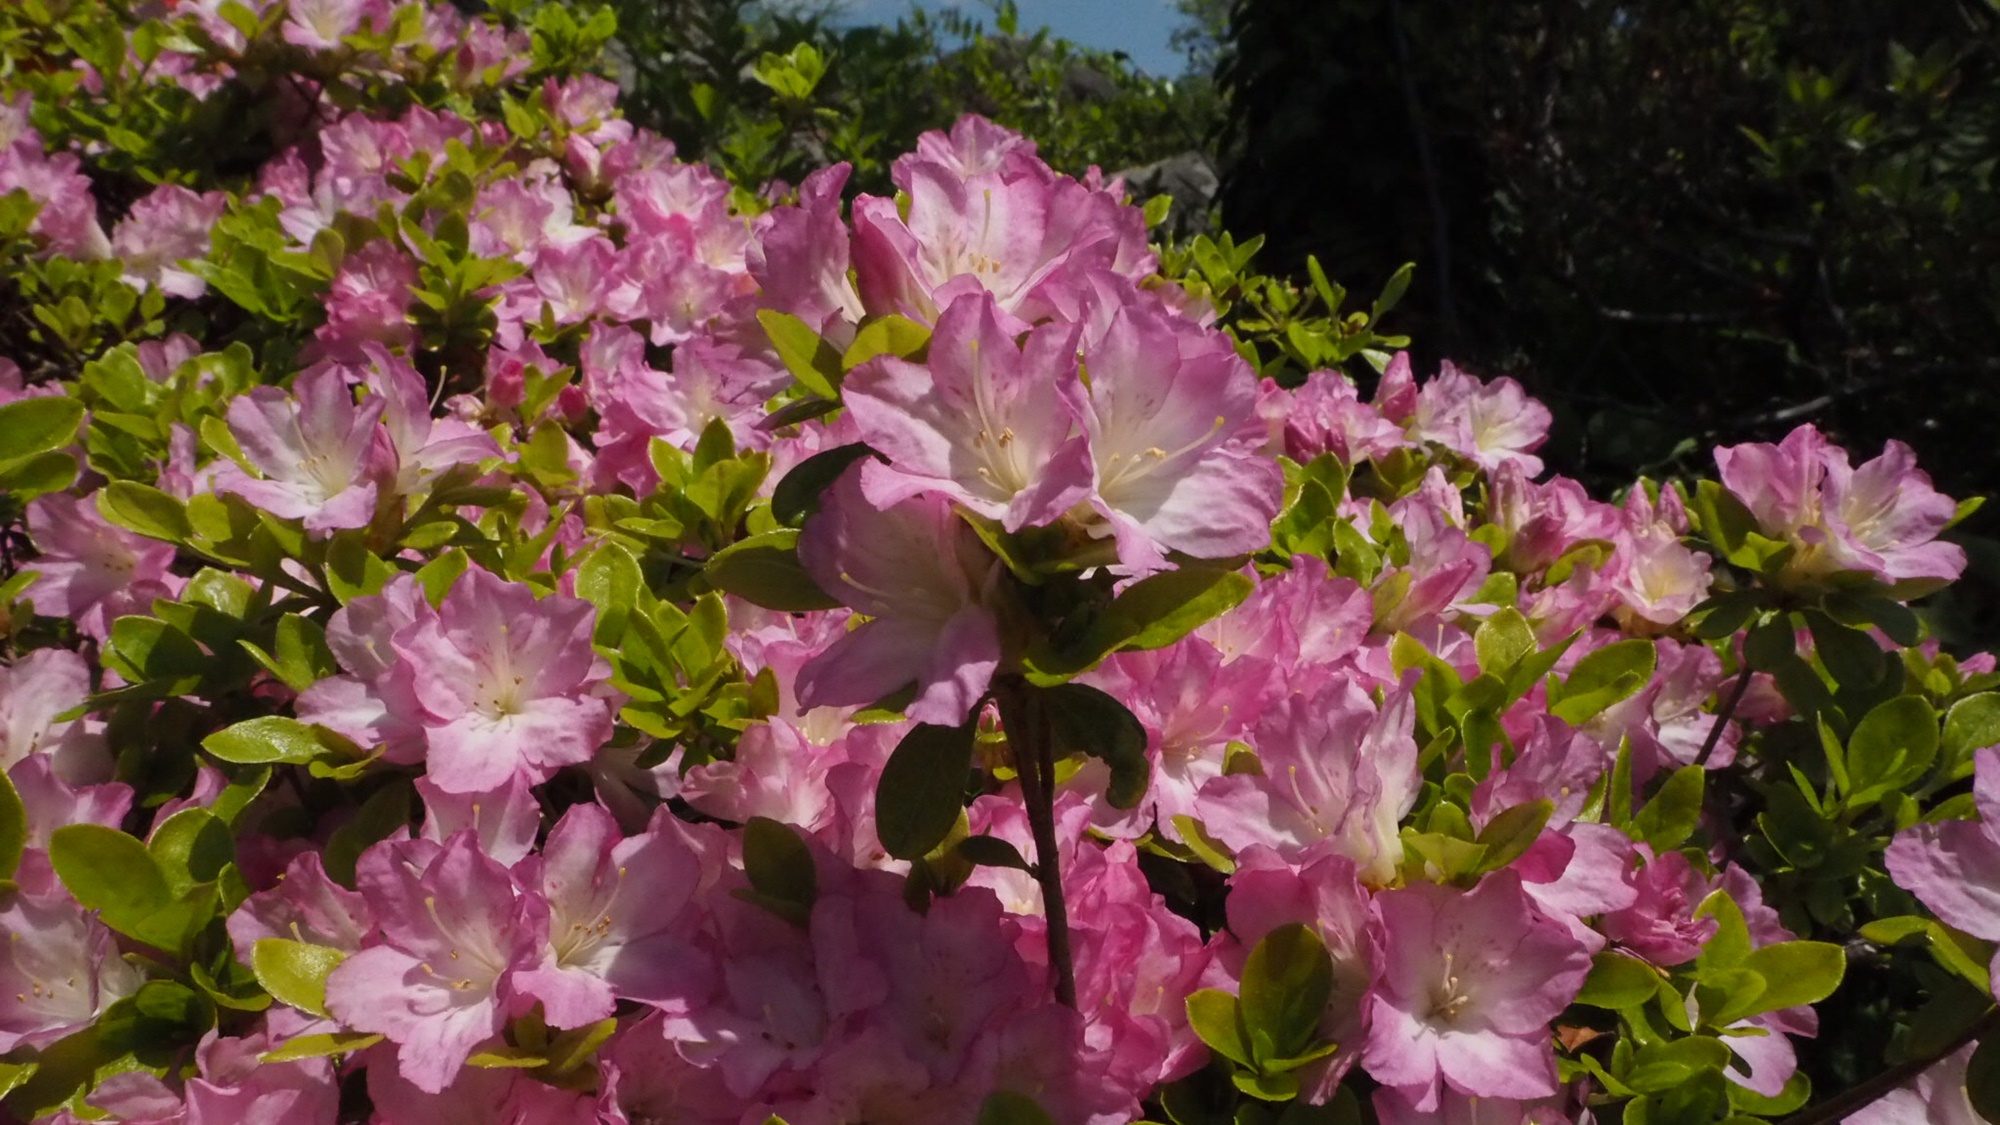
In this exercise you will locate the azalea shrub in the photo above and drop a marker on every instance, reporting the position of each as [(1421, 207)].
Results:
[(503, 624)]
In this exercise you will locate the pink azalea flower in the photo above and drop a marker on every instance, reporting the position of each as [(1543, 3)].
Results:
[(1468, 983), (506, 684), (50, 803), (165, 227), (453, 931), (375, 702), (983, 421), (306, 906), (1169, 410), (1326, 415), (800, 258), (59, 967), (506, 820), (236, 1087), (1657, 579), (1953, 866), (35, 689), (368, 301), (93, 571), (317, 453), (1297, 623), (1320, 892), (1660, 924), (922, 574), (615, 908), (1334, 768), (1192, 705), (1935, 1097), (1880, 520)]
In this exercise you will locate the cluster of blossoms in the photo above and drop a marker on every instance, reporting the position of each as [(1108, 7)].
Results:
[(612, 647)]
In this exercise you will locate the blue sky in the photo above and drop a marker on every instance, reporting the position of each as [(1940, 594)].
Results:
[(1138, 27)]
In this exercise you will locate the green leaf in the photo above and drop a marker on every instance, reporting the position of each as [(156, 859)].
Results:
[(33, 425), (922, 789), (271, 738), (1008, 1108), (780, 868), (1972, 724), (1502, 641), (765, 570), (610, 580), (319, 1046), (1085, 720), (110, 872), (1509, 835), (1287, 984), (1609, 675), (1618, 982), (295, 972), (38, 475), (192, 846), (797, 495), (1217, 1020), (888, 335), (13, 828), (992, 851), (1151, 613), (574, 1047), (146, 510), (811, 360), (385, 811), (1892, 746), (1670, 817), (1796, 972), (1730, 944)]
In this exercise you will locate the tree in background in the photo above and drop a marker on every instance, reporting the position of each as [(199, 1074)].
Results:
[(766, 92), (1678, 221)]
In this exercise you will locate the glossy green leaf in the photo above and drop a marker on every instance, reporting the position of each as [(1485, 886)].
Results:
[(797, 494), (1085, 720), (810, 359), (13, 828), (894, 335), (1617, 982), (146, 510), (765, 570), (1287, 984), (1666, 821), (780, 868), (1217, 1020), (268, 739), (319, 1046), (1891, 747), (1796, 972), (33, 425), (295, 972), (922, 789)]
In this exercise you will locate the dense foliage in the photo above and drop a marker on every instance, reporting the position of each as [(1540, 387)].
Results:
[(505, 624), (1679, 222)]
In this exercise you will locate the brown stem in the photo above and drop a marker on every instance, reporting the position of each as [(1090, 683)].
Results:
[(1034, 761), (1722, 716), (1836, 1108)]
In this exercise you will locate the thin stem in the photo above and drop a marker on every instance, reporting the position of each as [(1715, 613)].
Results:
[(1722, 716), (1034, 761), (1836, 1108)]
